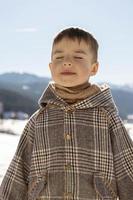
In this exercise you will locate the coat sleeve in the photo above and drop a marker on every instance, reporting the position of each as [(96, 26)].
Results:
[(122, 147), (15, 182)]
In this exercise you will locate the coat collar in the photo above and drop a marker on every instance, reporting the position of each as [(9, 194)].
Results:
[(102, 98)]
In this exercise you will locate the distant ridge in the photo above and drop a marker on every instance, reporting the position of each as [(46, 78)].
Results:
[(13, 101), (21, 77), (23, 90)]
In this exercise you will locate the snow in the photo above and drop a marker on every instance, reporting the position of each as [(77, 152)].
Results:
[(129, 128), (8, 143), (13, 126)]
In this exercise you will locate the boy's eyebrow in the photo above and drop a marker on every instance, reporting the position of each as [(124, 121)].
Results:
[(76, 51), (80, 51), (57, 51)]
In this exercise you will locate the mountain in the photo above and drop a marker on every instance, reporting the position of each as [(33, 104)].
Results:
[(14, 101), (28, 85), (22, 78), (23, 90), (123, 100)]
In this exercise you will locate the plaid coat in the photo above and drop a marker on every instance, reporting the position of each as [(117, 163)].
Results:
[(79, 152)]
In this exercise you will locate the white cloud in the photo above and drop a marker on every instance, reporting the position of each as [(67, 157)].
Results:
[(26, 30)]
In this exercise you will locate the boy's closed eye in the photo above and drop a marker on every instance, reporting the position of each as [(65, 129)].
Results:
[(77, 57), (59, 57)]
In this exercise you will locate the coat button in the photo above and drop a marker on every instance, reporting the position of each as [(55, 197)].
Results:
[(68, 166), (67, 136), (69, 195), (69, 110)]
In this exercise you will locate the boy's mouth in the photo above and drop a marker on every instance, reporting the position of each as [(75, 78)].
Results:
[(67, 73)]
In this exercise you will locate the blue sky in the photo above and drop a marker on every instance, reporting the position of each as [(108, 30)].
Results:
[(27, 28)]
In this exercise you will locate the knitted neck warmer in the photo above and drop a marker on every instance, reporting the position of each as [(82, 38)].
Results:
[(76, 93)]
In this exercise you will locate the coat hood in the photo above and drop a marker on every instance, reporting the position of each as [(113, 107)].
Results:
[(102, 99)]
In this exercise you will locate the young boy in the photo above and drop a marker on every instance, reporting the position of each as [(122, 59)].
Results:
[(75, 145)]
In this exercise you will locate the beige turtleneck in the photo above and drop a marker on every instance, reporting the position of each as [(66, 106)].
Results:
[(76, 93)]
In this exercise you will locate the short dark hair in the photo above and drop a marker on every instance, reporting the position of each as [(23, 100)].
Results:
[(80, 34)]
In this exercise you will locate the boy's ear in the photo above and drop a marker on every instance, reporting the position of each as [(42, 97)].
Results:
[(94, 68), (50, 65)]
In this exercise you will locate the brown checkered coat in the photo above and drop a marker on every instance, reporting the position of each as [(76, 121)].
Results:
[(78, 152)]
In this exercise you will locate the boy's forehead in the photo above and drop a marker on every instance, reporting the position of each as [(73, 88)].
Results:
[(66, 43)]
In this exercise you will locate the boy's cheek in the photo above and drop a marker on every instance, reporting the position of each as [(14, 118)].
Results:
[(54, 64)]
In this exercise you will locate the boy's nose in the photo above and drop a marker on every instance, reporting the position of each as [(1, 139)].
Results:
[(67, 64)]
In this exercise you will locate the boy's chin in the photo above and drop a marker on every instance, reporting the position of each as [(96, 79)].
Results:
[(65, 84), (69, 84)]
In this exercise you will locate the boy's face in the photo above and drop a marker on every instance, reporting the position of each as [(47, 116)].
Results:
[(71, 63)]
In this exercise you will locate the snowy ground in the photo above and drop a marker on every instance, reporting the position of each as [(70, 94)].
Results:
[(8, 143), (12, 126), (129, 128)]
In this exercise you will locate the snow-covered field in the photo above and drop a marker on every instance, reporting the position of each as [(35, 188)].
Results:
[(8, 143), (129, 128), (12, 126)]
